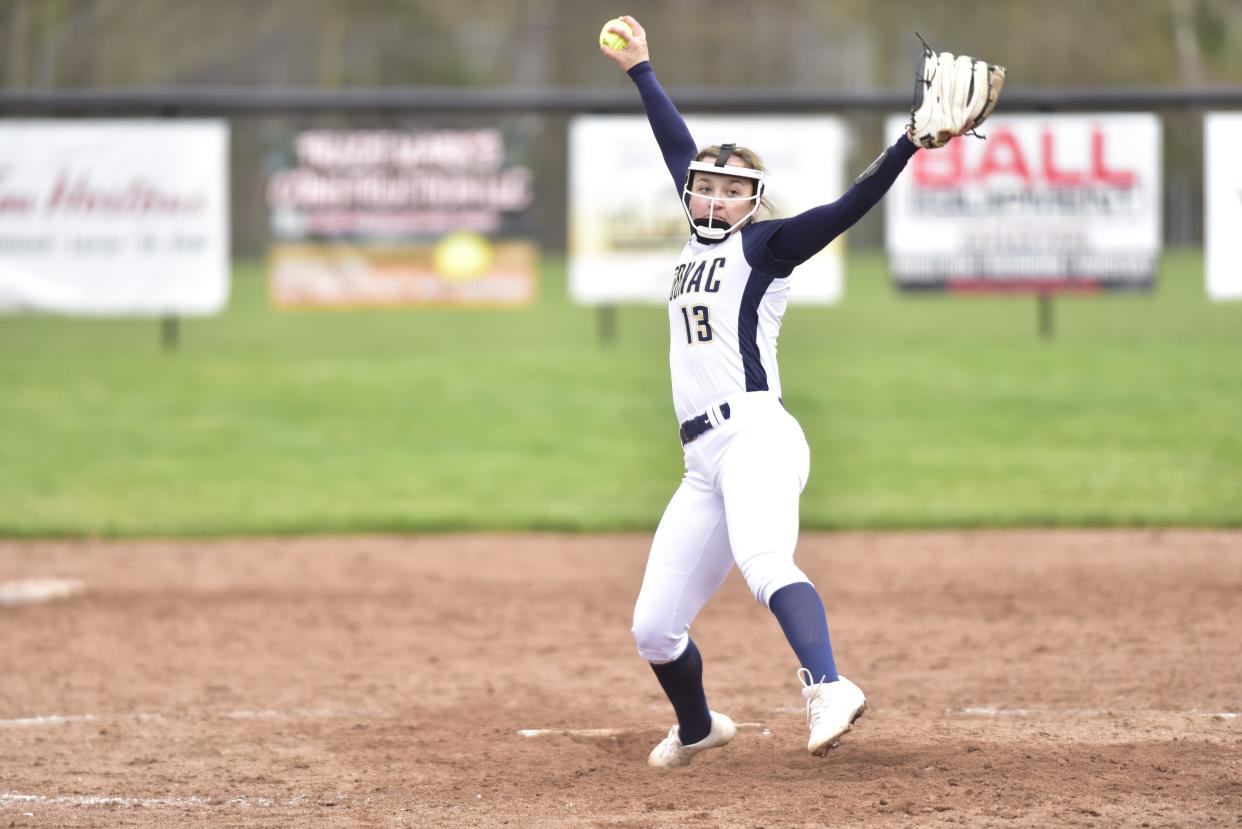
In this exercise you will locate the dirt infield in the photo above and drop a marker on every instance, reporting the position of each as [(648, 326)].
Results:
[(1015, 679)]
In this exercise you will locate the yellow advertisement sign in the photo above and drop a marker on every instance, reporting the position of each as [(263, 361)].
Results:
[(461, 268), (371, 218)]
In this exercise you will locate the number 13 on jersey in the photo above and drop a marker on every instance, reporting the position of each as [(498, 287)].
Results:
[(698, 323)]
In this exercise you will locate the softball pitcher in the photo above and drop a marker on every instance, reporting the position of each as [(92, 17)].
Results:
[(746, 459)]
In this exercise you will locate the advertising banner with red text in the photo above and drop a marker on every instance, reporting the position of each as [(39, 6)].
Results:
[(626, 223), (409, 217), (1045, 203), (1222, 196), (114, 218)]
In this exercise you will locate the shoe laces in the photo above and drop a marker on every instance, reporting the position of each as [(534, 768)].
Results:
[(814, 698), (671, 745)]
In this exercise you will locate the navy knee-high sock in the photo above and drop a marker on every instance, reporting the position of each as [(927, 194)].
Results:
[(682, 681), (801, 613)]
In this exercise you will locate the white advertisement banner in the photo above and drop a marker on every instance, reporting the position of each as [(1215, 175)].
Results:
[(1222, 196), (626, 224), (114, 218), (1046, 202)]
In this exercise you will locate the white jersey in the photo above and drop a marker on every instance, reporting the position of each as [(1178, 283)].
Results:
[(724, 315)]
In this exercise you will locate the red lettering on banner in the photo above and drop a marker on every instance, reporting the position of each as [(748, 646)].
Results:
[(1001, 144), (11, 202), (80, 195), (1055, 176), (16, 203), (59, 189), (1003, 156), (1117, 178), (941, 168)]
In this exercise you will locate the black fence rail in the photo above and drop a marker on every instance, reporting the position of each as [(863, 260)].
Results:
[(179, 101)]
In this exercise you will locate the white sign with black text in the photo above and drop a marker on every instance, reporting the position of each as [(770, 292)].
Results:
[(626, 224), (1045, 202), (114, 218), (1222, 196)]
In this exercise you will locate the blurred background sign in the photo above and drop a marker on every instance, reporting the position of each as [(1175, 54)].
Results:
[(114, 218), (626, 224), (1222, 230), (402, 217), (1047, 203)]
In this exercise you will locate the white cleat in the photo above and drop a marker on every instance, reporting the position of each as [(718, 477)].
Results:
[(671, 754), (831, 710)]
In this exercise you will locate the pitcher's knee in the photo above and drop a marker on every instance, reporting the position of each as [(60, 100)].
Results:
[(657, 644), (768, 572)]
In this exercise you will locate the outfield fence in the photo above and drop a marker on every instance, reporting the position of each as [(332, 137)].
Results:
[(255, 114)]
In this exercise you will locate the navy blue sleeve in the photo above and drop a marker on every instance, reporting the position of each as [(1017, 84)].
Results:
[(755, 239), (671, 133), (786, 243)]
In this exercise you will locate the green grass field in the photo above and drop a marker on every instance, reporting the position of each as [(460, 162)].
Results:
[(921, 412)]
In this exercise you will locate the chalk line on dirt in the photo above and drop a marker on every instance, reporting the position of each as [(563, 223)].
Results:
[(243, 801), (241, 714), (38, 591)]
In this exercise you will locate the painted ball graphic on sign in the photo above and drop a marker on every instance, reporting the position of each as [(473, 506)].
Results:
[(462, 255)]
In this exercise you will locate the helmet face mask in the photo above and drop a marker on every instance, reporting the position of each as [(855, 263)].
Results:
[(712, 228)]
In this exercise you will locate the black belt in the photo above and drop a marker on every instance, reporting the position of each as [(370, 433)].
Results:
[(697, 426)]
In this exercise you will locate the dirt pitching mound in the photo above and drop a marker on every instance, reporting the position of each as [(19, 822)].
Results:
[(1014, 679)]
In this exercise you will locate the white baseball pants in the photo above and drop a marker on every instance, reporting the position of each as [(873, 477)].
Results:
[(737, 503)]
